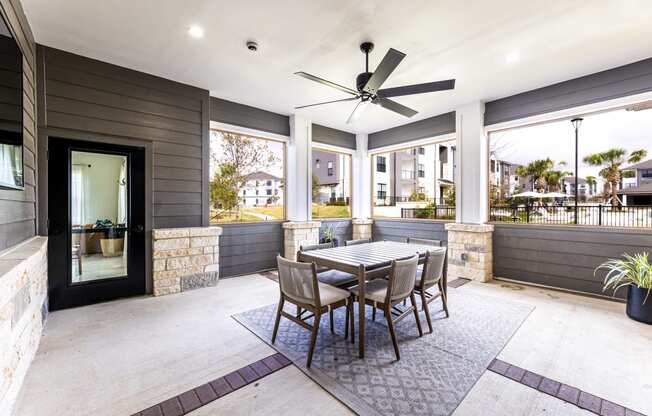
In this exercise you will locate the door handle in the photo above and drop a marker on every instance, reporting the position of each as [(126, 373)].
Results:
[(137, 228)]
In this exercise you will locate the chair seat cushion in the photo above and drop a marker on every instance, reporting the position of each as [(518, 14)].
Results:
[(336, 278), (375, 290), (329, 294)]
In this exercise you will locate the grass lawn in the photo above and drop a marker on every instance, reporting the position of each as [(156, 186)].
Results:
[(330, 211), (255, 214)]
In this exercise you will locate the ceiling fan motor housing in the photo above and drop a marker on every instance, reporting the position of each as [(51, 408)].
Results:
[(361, 80)]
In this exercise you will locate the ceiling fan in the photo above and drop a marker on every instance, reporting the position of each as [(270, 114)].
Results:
[(368, 86)]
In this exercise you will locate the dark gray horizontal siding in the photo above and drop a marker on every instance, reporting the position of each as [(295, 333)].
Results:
[(400, 230), (18, 207), (429, 127), (563, 257), (228, 112), (334, 137), (343, 229), (634, 78), (93, 97), (250, 247)]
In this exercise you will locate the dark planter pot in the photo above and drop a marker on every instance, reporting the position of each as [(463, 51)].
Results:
[(635, 308), (323, 240)]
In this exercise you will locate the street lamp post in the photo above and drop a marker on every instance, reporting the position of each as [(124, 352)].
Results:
[(577, 122)]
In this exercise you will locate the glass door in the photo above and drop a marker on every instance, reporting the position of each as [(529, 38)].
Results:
[(96, 217)]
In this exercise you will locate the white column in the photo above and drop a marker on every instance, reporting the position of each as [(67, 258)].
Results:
[(361, 173), (471, 184), (299, 170)]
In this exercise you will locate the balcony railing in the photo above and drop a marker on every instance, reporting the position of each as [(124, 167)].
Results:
[(408, 174), (593, 215), (393, 200), (437, 212)]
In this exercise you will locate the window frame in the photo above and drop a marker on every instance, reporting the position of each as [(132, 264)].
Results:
[(254, 134), (443, 139), (338, 150)]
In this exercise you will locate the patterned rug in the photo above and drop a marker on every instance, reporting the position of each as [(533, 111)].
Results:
[(435, 372)]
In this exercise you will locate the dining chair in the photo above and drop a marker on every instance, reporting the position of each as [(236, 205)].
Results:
[(337, 278), (434, 267), (299, 286), (355, 242), (425, 242), (386, 294)]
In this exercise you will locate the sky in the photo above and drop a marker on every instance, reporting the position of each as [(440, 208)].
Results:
[(274, 146), (631, 130)]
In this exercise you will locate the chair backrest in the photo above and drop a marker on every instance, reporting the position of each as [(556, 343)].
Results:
[(298, 281), (425, 242), (316, 246), (433, 268), (360, 241), (402, 278)]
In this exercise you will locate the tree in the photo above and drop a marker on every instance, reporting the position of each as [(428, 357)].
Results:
[(239, 156), (554, 179), (224, 187), (315, 187), (247, 155), (537, 170), (611, 162), (592, 183)]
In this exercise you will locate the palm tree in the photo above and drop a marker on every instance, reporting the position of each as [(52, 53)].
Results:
[(611, 162), (592, 182), (555, 179), (537, 170)]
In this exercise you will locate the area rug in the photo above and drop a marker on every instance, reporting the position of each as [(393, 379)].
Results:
[(435, 372)]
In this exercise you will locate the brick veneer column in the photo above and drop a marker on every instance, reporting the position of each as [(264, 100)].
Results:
[(297, 234), (470, 251), (361, 228), (185, 258)]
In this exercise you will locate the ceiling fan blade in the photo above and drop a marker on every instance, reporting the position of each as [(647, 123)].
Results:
[(327, 102), (327, 83), (448, 84), (357, 111), (395, 107), (384, 70)]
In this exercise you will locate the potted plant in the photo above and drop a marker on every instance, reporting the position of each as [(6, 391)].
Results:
[(329, 236), (635, 273), (113, 243)]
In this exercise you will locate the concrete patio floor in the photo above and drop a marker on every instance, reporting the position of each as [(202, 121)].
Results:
[(121, 357)]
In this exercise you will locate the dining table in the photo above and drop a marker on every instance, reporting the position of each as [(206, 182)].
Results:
[(367, 261)]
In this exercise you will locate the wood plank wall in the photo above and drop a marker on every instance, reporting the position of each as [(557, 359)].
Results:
[(562, 256), (400, 230), (250, 247), (18, 208), (83, 97)]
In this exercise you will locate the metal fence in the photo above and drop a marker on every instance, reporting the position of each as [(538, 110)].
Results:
[(437, 212), (393, 200), (595, 215)]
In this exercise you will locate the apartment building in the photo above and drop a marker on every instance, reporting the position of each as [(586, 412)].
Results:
[(424, 172), (261, 189), (503, 179), (332, 173), (637, 190)]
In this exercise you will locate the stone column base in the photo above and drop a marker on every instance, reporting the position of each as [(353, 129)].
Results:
[(470, 251), (297, 234), (361, 228), (185, 258)]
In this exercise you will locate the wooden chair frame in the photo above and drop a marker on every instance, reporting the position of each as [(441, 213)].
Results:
[(427, 297), (316, 312), (393, 315)]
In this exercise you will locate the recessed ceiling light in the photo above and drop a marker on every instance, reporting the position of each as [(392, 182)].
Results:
[(196, 31), (512, 57)]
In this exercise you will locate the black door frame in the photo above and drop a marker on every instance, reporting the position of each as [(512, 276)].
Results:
[(61, 292)]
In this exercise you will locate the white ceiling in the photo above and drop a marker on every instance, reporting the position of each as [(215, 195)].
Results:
[(467, 40)]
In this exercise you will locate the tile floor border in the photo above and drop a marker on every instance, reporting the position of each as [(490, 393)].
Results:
[(569, 394), (193, 399)]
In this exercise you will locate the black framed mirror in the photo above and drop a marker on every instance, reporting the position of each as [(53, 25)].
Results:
[(11, 111)]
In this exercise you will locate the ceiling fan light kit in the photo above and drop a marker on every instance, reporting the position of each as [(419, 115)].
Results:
[(368, 85)]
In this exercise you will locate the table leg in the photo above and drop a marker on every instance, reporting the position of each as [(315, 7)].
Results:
[(361, 309)]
